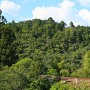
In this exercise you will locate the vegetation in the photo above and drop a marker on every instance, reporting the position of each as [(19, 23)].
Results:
[(65, 86), (37, 47)]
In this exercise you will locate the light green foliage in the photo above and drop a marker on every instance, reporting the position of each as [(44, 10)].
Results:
[(31, 69), (84, 71), (61, 86), (24, 74), (69, 86), (21, 66), (11, 81), (52, 71), (86, 62), (64, 72)]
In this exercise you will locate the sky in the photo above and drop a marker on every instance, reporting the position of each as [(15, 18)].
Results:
[(77, 11)]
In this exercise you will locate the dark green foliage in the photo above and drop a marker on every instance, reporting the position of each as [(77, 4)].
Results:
[(71, 24), (51, 43), (40, 84), (2, 19), (7, 46), (62, 25), (38, 47)]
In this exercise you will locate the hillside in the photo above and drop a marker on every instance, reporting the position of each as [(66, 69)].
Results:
[(37, 47)]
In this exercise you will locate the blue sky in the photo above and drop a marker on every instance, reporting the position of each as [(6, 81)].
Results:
[(77, 11)]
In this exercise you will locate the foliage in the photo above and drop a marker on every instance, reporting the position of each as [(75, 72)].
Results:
[(7, 46), (70, 86), (39, 47), (2, 19), (84, 71), (11, 81)]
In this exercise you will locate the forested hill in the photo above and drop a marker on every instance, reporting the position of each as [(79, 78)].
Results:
[(36, 47)]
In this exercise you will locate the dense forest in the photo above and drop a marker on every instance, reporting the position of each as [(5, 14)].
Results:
[(37, 47)]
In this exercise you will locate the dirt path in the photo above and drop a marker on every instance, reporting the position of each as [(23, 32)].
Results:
[(75, 80)]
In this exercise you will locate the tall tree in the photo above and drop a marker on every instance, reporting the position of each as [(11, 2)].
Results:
[(71, 24), (2, 19), (7, 46), (86, 62), (62, 25)]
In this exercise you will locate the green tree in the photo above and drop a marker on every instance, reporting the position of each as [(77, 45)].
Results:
[(86, 64), (62, 25), (71, 24), (2, 19), (40, 84), (84, 71), (7, 46), (11, 81)]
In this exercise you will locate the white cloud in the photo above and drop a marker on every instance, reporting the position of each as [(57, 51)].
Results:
[(58, 13), (65, 11), (67, 4), (10, 7), (84, 2), (85, 15)]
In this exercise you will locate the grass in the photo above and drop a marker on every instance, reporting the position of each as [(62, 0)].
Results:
[(70, 86)]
